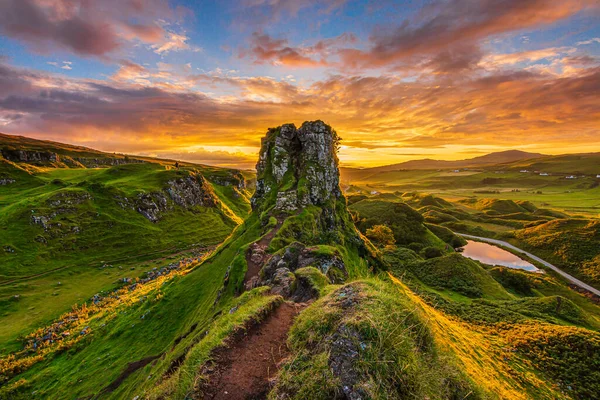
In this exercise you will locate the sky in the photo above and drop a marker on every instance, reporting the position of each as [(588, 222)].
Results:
[(202, 81)]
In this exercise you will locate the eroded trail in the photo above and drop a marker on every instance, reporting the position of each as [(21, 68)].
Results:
[(243, 370), (257, 256)]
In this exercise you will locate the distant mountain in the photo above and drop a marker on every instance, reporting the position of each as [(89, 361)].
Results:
[(500, 157)]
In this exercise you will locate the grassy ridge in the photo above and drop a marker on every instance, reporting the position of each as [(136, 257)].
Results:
[(371, 342), (67, 235), (123, 336)]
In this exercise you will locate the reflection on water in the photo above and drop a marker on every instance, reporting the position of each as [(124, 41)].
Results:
[(492, 255)]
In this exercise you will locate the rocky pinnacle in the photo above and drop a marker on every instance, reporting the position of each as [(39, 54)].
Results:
[(297, 167)]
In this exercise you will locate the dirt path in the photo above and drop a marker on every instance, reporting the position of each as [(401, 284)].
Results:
[(255, 263), (243, 370)]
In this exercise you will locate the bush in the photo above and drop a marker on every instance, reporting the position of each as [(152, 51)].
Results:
[(512, 279), (416, 247), (381, 235)]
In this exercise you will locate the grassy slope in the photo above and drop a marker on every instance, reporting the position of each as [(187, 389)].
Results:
[(380, 341), (571, 195), (484, 356), (572, 244), (108, 234), (126, 337), (406, 223)]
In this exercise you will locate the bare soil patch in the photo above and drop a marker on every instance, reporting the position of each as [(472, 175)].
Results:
[(243, 370)]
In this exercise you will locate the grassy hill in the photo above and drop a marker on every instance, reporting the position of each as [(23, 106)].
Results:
[(378, 323), (571, 243), (566, 183), (406, 224), (69, 231), (501, 157)]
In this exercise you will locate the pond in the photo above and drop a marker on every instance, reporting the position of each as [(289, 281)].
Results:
[(493, 255)]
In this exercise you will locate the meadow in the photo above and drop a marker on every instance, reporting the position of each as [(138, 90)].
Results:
[(579, 195), (70, 232)]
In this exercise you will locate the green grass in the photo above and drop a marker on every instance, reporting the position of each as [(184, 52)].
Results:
[(571, 244), (459, 274), (124, 337), (573, 196), (380, 343), (406, 223), (449, 336), (107, 234)]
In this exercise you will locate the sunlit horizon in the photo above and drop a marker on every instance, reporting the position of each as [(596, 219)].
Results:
[(399, 81)]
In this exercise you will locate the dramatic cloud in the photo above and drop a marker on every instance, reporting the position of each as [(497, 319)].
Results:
[(88, 28), (439, 77), (369, 112), (265, 49), (456, 27)]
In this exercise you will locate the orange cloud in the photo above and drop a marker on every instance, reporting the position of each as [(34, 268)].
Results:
[(380, 118), (265, 49)]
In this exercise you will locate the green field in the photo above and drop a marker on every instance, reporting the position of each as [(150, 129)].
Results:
[(580, 195), (403, 317), (90, 237)]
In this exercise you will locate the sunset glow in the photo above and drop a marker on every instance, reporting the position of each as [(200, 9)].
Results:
[(202, 81)]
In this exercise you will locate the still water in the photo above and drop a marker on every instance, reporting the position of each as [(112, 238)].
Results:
[(492, 255)]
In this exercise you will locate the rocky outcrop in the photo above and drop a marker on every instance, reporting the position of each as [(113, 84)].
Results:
[(30, 156), (234, 178), (96, 162), (193, 190), (6, 181), (300, 165), (150, 205), (278, 272), (186, 192), (62, 203), (50, 157)]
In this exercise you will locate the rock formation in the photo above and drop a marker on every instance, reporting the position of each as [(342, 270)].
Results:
[(297, 167), (187, 192), (31, 156), (298, 185)]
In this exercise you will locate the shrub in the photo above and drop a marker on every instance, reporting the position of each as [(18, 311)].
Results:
[(512, 279), (381, 235)]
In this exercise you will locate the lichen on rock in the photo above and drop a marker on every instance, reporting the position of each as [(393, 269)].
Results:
[(297, 167), (187, 192)]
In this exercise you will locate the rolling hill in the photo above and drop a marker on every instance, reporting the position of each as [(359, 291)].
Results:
[(295, 303), (501, 157), (75, 221)]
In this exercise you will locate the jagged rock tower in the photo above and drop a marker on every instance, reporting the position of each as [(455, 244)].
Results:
[(298, 197), (297, 168)]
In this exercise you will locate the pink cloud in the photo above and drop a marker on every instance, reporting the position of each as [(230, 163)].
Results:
[(88, 28)]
